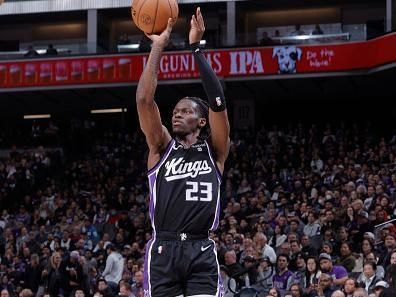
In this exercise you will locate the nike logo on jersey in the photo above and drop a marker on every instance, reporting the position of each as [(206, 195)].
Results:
[(205, 248), (179, 169)]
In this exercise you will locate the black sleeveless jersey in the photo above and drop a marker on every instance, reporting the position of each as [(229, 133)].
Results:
[(185, 190)]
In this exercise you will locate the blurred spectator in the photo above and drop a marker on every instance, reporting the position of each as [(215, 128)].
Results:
[(104, 289), (278, 238), (137, 287), (391, 270), (312, 228), (380, 287), (350, 286), (53, 275), (297, 31), (265, 39), (324, 287), (387, 248), (338, 293), (301, 270), (73, 274), (229, 283), (79, 293), (144, 44), (368, 278), (346, 259), (33, 273), (295, 255), (234, 268), (312, 275), (360, 292), (249, 277), (114, 267), (317, 30), (296, 291), (6, 286), (26, 293), (125, 290), (274, 292), (338, 273), (31, 52), (89, 229), (282, 280), (262, 244), (124, 39), (371, 257), (265, 276), (51, 51)]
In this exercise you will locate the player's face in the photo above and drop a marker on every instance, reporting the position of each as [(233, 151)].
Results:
[(185, 118)]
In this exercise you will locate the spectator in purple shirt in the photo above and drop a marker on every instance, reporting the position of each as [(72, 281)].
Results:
[(282, 279), (337, 273)]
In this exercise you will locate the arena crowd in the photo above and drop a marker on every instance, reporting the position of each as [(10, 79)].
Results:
[(306, 211)]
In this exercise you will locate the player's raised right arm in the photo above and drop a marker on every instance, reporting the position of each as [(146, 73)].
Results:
[(157, 136)]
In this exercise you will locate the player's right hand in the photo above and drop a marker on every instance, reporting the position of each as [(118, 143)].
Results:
[(162, 40)]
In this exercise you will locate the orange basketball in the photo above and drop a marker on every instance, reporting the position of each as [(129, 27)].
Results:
[(151, 16)]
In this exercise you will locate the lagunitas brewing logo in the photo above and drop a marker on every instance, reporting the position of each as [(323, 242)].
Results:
[(179, 169), (174, 66)]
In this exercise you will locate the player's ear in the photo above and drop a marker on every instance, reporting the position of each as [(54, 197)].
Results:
[(201, 122)]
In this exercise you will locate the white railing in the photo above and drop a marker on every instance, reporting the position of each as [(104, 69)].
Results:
[(322, 38), (384, 223), (379, 227), (135, 47)]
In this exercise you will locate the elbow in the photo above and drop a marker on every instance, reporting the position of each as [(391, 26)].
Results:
[(140, 98), (144, 96), (144, 101), (145, 92)]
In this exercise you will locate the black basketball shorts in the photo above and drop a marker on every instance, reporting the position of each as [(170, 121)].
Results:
[(181, 267)]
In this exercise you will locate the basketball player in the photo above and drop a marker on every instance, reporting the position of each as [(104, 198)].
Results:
[(184, 176)]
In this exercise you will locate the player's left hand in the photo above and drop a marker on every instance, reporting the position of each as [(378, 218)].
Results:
[(197, 27)]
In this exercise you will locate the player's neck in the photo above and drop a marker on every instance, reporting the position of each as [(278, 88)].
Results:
[(188, 140)]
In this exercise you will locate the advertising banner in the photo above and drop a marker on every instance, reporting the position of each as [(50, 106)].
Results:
[(243, 63)]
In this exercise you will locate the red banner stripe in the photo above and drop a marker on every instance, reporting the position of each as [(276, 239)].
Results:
[(228, 63)]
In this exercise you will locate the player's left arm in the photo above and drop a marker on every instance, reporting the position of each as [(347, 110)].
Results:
[(218, 118)]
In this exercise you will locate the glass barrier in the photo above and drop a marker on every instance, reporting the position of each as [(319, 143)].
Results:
[(138, 47), (311, 39), (79, 49), (72, 49)]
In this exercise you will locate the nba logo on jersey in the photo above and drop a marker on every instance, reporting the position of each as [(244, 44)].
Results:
[(160, 249), (183, 236)]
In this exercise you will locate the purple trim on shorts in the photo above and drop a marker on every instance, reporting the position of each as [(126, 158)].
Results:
[(146, 286), (221, 287)]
